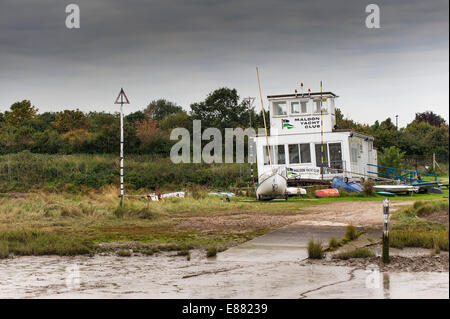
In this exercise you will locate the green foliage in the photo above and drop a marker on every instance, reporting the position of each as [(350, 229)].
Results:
[(211, 251), (437, 239), (36, 243), (160, 109), (20, 113), (26, 171), (333, 243), (124, 253), (357, 253), (69, 120), (315, 249), (221, 109), (4, 249), (410, 218), (351, 233), (368, 187), (391, 157)]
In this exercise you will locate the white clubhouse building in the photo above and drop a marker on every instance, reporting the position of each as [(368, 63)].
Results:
[(295, 141)]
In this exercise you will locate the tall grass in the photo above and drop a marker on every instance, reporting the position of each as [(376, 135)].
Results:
[(357, 253), (315, 249), (422, 239), (41, 243), (26, 171)]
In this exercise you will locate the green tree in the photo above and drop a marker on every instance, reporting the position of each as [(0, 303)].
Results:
[(69, 120), (160, 109), (180, 119), (391, 157), (21, 112), (221, 109), (386, 135)]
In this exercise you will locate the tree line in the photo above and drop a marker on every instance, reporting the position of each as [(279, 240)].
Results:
[(148, 131)]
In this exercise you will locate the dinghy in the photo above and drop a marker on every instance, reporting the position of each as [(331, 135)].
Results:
[(349, 187), (272, 186), (326, 192), (396, 188)]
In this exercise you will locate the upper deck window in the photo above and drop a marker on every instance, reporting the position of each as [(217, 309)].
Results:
[(317, 106), (295, 107), (304, 106), (280, 108)]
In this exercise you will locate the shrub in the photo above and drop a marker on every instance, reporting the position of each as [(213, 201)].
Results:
[(368, 187), (315, 250), (350, 232), (333, 243), (211, 251)]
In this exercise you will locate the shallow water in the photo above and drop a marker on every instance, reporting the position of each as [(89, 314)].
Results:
[(226, 276)]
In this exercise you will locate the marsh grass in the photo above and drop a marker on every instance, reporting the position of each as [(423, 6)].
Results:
[(333, 244), (412, 230), (424, 239), (315, 249), (350, 232), (124, 253), (211, 251), (4, 249), (42, 243), (357, 253)]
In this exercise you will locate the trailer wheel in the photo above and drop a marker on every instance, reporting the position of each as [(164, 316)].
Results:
[(346, 180)]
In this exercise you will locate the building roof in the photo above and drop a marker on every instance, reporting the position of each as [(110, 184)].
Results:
[(355, 133), (301, 95)]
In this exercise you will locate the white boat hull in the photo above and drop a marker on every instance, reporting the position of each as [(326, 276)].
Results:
[(271, 187), (396, 188)]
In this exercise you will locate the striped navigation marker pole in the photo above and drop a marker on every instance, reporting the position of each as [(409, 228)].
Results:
[(321, 129), (121, 99), (249, 102), (386, 230)]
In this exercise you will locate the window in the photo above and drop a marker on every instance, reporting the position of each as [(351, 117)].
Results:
[(335, 155), (281, 156), (294, 157), (319, 155), (295, 107), (317, 105), (279, 108), (305, 151), (304, 106), (266, 158)]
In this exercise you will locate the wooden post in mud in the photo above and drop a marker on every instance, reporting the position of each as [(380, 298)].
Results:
[(386, 230)]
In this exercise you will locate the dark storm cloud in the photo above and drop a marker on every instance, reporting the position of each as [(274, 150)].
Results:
[(183, 49)]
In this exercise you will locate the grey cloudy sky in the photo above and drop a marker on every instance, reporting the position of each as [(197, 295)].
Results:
[(181, 50)]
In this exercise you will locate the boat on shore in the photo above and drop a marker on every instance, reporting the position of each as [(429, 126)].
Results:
[(272, 186), (396, 189), (349, 187)]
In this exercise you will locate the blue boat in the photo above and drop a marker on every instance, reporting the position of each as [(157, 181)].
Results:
[(350, 187)]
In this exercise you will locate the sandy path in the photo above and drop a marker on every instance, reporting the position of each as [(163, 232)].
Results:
[(361, 213)]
